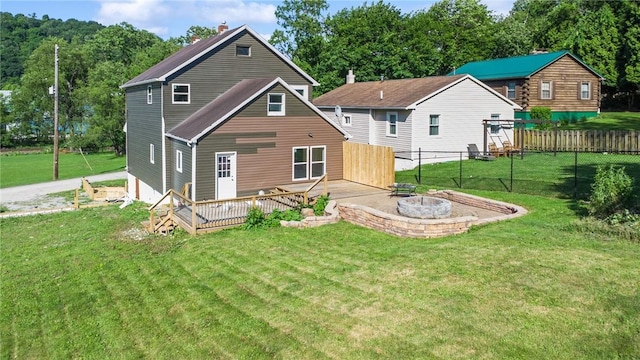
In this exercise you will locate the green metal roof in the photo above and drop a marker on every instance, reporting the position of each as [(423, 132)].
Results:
[(513, 67)]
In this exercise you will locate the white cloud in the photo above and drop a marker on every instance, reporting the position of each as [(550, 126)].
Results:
[(173, 17)]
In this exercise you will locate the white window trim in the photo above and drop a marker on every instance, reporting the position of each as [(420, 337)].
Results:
[(282, 112), (494, 124), (173, 94), (304, 88), (152, 153), (179, 161), (149, 95), (388, 132), (588, 90), (437, 126), (324, 161), (542, 97), (348, 122), (243, 46), (293, 163)]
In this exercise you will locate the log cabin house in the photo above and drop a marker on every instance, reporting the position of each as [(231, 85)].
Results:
[(557, 80)]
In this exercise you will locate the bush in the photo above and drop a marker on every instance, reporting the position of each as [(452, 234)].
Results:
[(256, 218), (544, 114), (611, 192), (320, 205)]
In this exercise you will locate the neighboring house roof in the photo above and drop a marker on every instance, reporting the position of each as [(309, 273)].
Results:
[(395, 94), (225, 106), (515, 67), (191, 53)]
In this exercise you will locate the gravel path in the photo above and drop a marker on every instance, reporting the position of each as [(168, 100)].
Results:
[(37, 196)]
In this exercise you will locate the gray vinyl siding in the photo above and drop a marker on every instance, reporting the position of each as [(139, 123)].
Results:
[(177, 179), (144, 127), (401, 142), (221, 70), (359, 129)]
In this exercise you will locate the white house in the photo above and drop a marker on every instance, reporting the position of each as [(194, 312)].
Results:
[(439, 115)]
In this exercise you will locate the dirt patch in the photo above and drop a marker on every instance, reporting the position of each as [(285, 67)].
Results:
[(389, 204)]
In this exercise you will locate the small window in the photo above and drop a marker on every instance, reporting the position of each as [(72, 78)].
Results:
[(392, 124), (301, 89), (434, 125), (152, 154), (149, 95), (243, 50), (495, 124), (511, 90), (181, 94), (179, 161), (346, 120), (585, 90), (275, 105), (545, 90)]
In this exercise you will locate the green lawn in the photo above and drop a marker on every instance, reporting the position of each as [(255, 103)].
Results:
[(21, 169), (536, 173), (608, 121), (543, 286)]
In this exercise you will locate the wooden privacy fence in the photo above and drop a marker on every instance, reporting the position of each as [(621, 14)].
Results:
[(371, 165), (579, 140)]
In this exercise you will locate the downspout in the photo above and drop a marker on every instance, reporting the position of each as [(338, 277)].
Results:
[(164, 144), (193, 171)]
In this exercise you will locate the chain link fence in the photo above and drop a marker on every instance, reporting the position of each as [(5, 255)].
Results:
[(558, 174)]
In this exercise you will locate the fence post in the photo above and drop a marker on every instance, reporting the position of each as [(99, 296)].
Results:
[(575, 175), (555, 137), (511, 180), (460, 170), (420, 166)]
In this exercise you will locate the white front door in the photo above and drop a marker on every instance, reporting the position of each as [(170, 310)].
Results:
[(225, 175)]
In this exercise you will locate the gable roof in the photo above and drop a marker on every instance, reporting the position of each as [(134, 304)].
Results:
[(191, 53), (515, 67), (216, 112), (395, 94)]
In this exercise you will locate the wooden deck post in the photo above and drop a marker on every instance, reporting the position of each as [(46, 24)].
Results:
[(194, 222), (326, 185), (76, 201)]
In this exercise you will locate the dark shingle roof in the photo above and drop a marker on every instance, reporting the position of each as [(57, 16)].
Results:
[(514, 67), (395, 93), (192, 52)]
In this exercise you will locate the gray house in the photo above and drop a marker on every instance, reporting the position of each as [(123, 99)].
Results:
[(229, 115)]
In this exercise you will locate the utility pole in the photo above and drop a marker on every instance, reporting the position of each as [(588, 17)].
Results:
[(55, 119)]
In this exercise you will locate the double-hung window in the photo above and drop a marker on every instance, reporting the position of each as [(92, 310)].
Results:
[(495, 124), (585, 90), (149, 95), (181, 93), (275, 105), (434, 125), (546, 92), (511, 90), (309, 162), (392, 124)]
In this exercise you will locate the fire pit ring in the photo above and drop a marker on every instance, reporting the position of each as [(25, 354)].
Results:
[(424, 207)]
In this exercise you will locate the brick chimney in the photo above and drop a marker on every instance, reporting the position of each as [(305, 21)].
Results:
[(223, 27)]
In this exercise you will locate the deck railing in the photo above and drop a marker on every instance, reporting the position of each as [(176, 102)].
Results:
[(208, 215)]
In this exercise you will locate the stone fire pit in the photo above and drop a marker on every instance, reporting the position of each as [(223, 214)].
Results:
[(424, 207)]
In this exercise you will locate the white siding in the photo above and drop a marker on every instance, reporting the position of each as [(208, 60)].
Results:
[(462, 109)]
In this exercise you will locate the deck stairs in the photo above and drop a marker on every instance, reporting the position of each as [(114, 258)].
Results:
[(163, 222)]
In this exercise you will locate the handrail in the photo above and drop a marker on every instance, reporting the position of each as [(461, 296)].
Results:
[(161, 199)]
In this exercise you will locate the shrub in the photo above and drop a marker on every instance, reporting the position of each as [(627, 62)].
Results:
[(611, 192), (320, 205), (544, 114), (255, 219)]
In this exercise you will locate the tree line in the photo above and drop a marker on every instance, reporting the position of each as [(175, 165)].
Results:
[(375, 39)]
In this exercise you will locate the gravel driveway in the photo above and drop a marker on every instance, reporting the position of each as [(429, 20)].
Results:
[(37, 196)]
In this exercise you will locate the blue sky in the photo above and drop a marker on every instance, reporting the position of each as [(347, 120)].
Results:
[(172, 18)]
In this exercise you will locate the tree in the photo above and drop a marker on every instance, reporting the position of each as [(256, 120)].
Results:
[(302, 34), (629, 64), (200, 32)]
